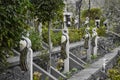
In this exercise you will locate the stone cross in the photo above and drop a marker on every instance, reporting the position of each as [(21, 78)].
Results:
[(94, 41), (26, 56), (65, 49)]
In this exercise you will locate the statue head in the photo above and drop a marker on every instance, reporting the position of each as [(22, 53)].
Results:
[(28, 41), (23, 44)]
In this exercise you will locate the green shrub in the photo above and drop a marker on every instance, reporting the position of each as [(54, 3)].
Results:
[(114, 74), (56, 38), (94, 12), (74, 35), (36, 40), (101, 31)]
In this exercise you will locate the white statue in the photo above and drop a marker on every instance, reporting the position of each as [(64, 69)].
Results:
[(104, 65), (87, 21), (40, 29), (26, 56), (87, 44), (94, 42), (76, 21), (65, 49)]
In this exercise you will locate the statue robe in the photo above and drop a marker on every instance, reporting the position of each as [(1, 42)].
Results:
[(63, 54), (23, 60)]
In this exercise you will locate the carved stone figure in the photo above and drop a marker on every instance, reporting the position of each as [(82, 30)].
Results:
[(23, 55), (26, 56), (87, 21), (63, 62), (94, 41), (86, 38), (64, 40)]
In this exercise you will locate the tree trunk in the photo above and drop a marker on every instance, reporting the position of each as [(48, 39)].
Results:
[(50, 44)]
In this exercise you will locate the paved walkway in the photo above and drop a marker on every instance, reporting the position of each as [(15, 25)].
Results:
[(94, 68)]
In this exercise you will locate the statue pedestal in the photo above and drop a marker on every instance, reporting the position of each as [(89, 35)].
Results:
[(95, 48), (89, 51), (66, 65), (30, 62)]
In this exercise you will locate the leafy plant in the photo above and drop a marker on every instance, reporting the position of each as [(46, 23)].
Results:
[(60, 78), (94, 12), (12, 25), (74, 70), (93, 56), (101, 31), (114, 74), (36, 40)]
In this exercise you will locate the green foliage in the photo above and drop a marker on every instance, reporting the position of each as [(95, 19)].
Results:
[(12, 25), (74, 34), (56, 38), (36, 40), (68, 74), (114, 74), (60, 78), (101, 31), (71, 72), (74, 70), (93, 56), (46, 10), (37, 75), (47, 78), (94, 12)]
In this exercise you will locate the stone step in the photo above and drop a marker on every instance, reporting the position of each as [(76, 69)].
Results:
[(77, 59), (45, 74), (75, 64), (94, 70), (57, 74)]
